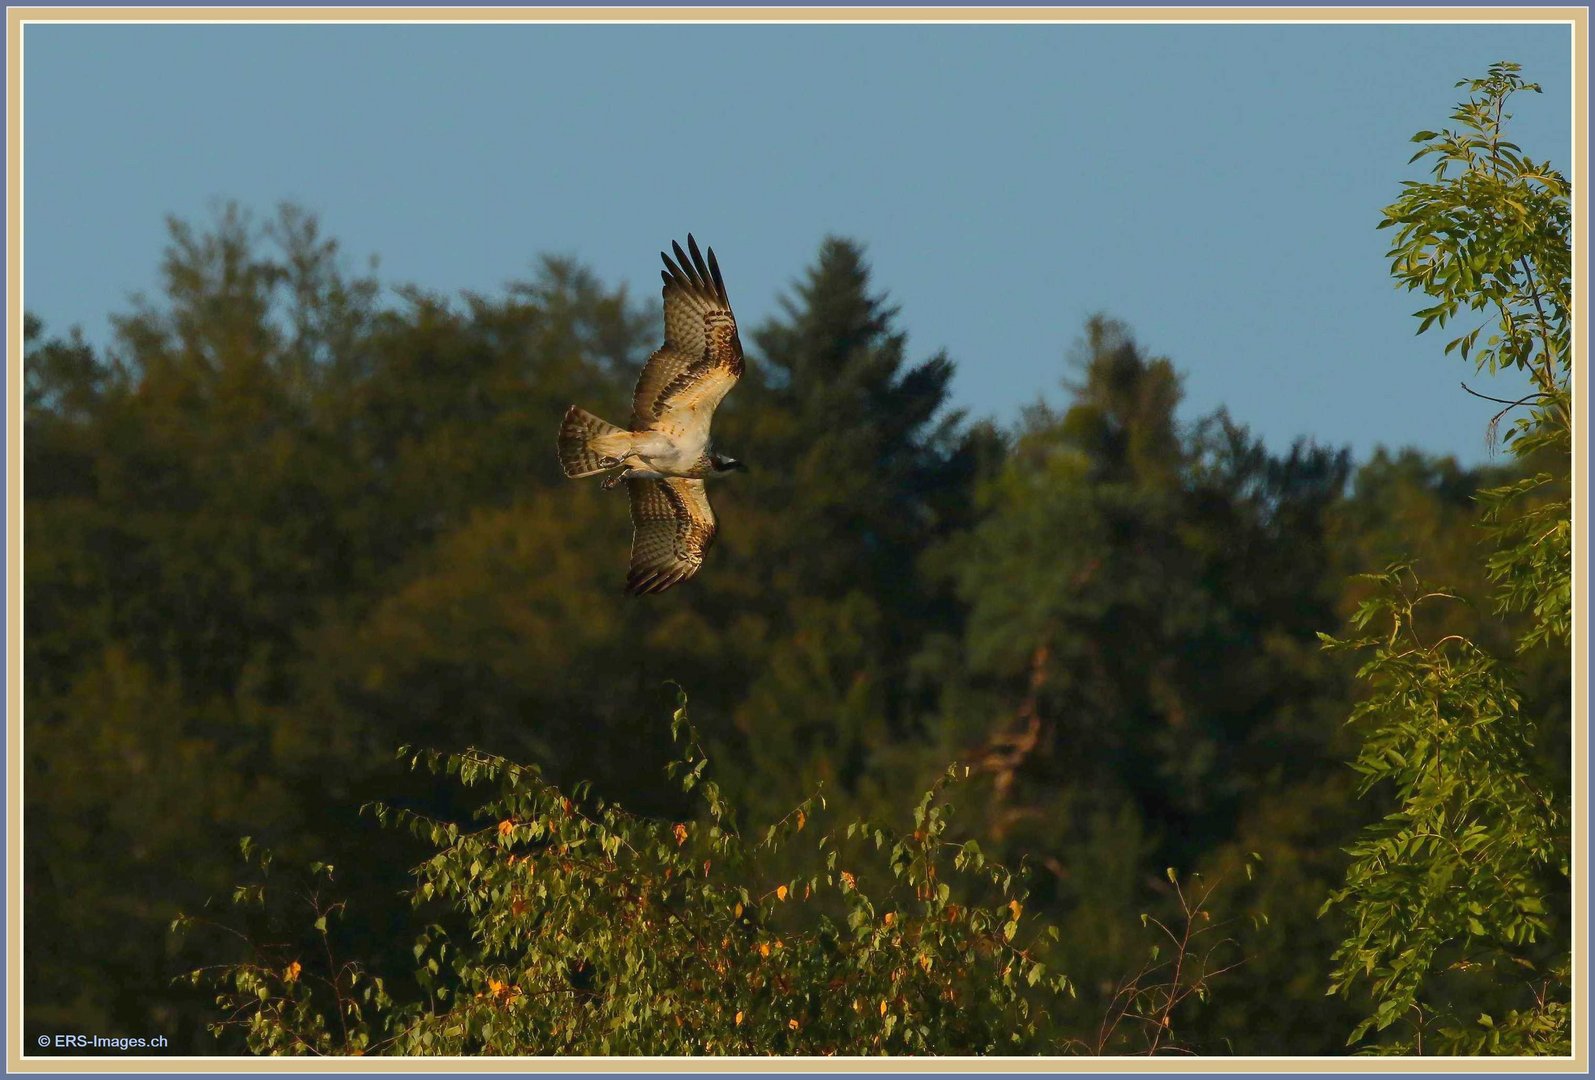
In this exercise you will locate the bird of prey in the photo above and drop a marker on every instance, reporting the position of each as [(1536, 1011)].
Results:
[(665, 454)]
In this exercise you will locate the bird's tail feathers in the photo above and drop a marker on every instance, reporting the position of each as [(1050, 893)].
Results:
[(576, 433)]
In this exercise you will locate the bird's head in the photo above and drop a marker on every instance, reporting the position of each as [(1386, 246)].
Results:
[(722, 463)]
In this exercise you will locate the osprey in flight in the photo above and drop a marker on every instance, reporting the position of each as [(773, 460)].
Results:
[(665, 455)]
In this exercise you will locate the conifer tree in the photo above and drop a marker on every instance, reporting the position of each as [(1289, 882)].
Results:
[(859, 463)]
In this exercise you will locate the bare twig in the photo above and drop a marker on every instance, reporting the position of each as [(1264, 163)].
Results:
[(1504, 401)]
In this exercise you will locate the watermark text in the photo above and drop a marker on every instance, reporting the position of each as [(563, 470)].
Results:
[(100, 1042)]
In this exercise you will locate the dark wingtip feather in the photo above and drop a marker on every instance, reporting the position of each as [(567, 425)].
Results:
[(697, 258), (719, 282), (700, 267), (639, 581), (675, 275)]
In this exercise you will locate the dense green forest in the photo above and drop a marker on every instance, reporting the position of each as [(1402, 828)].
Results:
[(293, 519)]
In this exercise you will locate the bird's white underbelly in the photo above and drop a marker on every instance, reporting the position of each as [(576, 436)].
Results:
[(670, 453)]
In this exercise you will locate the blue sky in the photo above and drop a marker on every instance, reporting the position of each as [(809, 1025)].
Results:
[(1215, 187)]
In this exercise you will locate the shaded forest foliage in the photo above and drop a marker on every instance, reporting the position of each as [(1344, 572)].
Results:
[(292, 519)]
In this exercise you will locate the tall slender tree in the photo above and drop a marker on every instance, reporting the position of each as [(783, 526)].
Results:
[(1456, 902)]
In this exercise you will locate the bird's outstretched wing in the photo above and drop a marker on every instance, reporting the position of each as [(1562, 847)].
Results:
[(672, 527), (701, 359)]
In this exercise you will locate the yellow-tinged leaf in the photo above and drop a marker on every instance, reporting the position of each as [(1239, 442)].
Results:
[(888, 918), (736, 912), (780, 893), (1016, 907), (883, 1008), (739, 1017), (291, 973), (680, 833), (801, 821), (506, 827), (764, 948)]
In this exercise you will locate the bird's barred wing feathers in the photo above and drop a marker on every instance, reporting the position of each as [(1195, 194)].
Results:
[(701, 359), (672, 528)]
